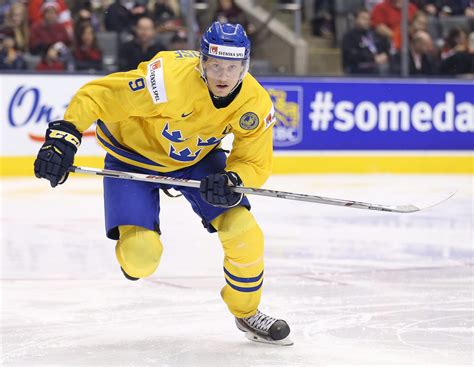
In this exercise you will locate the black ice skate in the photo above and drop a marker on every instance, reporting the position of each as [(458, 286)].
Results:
[(265, 329)]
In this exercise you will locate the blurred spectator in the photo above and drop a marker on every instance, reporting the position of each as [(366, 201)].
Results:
[(179, 41), (420, 56), (122, 15), (455, 57), (163, 11), (418, 23), (469, 11), (176, 6), (143, 47), (364, 51), (10, 57), (428, 6), (51, 60), (322, 23), (16, 26), (87, 55), (471, 43), (456, 8), (84, 13), (369, 4), (36, 13), (386, 16), (446, 7), (5, 8), (166, 16), (48, 31), (228, 12)]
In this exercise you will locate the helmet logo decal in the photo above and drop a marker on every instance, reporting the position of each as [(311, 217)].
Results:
[(226, 51), (249, 121)]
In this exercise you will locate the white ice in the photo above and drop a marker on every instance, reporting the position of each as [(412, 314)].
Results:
[(357, 287)]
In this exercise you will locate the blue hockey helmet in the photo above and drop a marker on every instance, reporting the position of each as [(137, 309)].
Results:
[(225, 41)]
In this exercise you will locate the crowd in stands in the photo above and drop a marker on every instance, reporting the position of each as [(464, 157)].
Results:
[(373, 44), (116, 35), (100, 35)]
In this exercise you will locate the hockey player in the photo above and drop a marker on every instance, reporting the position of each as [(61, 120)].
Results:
[(168, 117)]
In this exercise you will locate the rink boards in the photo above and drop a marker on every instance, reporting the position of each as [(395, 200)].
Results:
[(322, 125)]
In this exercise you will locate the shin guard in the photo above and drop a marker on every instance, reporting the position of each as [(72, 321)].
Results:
[(242, 241)]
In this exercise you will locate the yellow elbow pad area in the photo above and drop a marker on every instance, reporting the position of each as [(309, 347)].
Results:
[(138, 251)]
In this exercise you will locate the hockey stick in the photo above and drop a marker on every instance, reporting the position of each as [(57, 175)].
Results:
[(409, 208)]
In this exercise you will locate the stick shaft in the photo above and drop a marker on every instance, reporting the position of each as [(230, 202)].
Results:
[(135, 176), (247, 190)]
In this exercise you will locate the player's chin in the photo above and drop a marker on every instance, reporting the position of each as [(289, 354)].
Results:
[(221, 90)]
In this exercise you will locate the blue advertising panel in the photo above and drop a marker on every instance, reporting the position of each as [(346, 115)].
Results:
[(385, 114)]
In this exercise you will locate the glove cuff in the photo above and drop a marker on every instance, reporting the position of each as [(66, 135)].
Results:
[(234, 178), (64, 131)]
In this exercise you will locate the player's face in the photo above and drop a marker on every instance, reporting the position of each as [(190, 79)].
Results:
[(222, 75)]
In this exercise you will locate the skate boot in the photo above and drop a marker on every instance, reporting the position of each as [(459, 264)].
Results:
[(265, 329)]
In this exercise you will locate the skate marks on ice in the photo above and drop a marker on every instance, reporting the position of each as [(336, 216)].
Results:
[(114, 323), (356, 287), (398, 283), (88, 323), (147, 324), (423, 313)]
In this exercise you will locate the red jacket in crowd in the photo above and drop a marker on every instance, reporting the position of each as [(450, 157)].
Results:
[(35, 13), (388, 14), (42, 36)]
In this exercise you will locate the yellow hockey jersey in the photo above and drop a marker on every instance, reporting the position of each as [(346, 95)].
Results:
[(161, 117)]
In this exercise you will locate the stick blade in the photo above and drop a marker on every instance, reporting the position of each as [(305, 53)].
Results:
[(425, 205), (412, 208), (438, 201)]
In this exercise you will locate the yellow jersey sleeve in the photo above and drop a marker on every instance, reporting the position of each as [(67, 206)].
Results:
[(118, 96), (252, 149)]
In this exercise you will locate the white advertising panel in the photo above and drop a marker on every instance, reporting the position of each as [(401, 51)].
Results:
[(29, 102)]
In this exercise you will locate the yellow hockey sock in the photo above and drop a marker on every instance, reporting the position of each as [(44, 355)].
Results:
[(242, 240)]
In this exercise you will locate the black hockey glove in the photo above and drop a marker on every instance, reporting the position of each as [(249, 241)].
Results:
[(57, 153), (216, 189)]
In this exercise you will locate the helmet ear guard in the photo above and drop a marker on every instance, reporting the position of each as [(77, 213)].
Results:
[(225, 41)]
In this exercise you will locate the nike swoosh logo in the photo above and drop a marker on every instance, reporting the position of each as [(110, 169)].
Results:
[(184, 115)]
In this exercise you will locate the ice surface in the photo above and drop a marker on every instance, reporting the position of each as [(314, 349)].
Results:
[(357, 287)]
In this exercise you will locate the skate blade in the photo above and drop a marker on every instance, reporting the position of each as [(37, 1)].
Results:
[(259, 339)]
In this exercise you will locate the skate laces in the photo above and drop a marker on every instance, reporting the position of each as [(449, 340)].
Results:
[(260, 321)]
